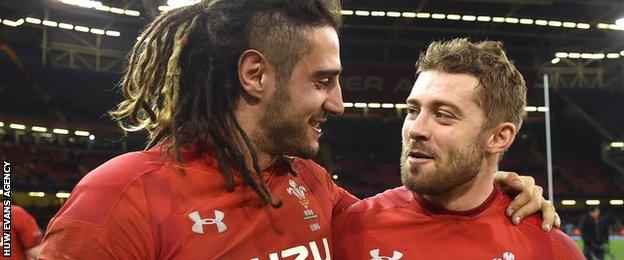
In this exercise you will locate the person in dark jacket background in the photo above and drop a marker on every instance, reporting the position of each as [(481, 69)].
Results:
[(595, 234)]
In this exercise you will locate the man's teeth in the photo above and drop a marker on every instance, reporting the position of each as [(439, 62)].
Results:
[(316, 126)]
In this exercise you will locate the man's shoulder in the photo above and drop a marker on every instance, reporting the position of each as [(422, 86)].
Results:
[(95, 196), (355, 222), (564, 245), (21, 218), (310, 171), (123, 169), (392, 198), (555, 242), (17, 210), (20, 213), (300, 164)]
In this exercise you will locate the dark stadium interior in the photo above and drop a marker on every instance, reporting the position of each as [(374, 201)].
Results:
[(58, 78)]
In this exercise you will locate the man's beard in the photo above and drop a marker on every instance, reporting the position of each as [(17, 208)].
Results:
[(282, 131), (458, 167)]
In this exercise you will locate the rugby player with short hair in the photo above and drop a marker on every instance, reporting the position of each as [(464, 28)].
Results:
[(465, 109)]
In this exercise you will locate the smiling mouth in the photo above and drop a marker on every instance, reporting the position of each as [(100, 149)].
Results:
[(420, 154), (419, 157), (316, 125)]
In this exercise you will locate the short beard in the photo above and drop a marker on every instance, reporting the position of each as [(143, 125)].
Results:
[(459, 168), (278, 133)]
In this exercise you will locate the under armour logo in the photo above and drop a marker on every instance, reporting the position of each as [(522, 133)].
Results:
[(198, 227), (506, 256), (396, 255), (297, 191)]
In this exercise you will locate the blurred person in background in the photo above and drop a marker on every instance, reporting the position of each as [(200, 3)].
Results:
[(25, 235), (595, 234), (568, 228)]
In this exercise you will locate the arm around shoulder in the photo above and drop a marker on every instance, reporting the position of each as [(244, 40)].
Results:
[(348, 233)]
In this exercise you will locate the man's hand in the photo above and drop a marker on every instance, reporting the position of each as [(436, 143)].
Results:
[(529, 201), (34, 251)]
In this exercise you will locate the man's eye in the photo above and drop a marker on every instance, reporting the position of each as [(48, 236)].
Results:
[(442, 115), (412, 110), (321, 83)]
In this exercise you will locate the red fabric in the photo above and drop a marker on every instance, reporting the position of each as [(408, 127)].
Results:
[(400, 224), (25, 233), (139, 206)]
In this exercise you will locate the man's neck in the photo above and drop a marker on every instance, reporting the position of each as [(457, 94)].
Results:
[(469, 195), (248, 121)]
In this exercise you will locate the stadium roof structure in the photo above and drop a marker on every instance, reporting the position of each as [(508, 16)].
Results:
[(563, 35)]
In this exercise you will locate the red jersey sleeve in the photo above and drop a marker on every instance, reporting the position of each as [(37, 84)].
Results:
[(27, 229), (96, 224), (339, 197), (563, 247), (344, 199), (348, 232)]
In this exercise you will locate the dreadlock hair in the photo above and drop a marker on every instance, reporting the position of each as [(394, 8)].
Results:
[(181, 83)]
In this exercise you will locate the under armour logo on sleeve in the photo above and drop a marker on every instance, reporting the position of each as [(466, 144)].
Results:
[(396, 255), (198, 227)]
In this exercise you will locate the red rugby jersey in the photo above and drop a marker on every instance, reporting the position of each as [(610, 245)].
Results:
[(398, 224), (25, 233), (139, 206)]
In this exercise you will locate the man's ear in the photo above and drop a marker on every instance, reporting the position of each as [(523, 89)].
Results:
[(501, 138), (252, 73)]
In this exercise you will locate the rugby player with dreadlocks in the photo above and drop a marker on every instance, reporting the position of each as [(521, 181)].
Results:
[(233, 95)]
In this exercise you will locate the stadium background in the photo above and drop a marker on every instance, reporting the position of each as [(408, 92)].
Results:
[(61, 60)]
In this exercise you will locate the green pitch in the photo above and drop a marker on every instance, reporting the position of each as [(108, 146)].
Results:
[(617, 248)]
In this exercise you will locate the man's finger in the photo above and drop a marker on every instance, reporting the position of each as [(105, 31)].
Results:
[(527, 180), (523, 198), (509, 180), (533, 204), (549, 216)]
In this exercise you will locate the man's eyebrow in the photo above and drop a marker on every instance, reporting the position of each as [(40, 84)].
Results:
[(436, 103), (327, 72)]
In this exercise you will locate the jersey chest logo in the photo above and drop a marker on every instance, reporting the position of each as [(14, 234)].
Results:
[(198, 226), (299, 193), (396, 255)]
